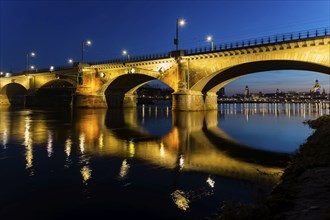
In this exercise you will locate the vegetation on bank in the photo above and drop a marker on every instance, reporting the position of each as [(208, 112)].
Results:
[(304, 189)]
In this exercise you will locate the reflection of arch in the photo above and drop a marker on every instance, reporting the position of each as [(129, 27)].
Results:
[(207, 136), (243, 152), (124, 126), (14, 92), (219, 79)]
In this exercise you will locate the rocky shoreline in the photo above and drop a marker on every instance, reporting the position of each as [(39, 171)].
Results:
[(304, 190)]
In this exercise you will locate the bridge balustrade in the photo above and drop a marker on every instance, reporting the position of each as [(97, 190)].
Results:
[(279, 38)]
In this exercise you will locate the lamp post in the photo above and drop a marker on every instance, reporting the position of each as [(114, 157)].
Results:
[(88, 43), (125, 53), (181, 23), (210, 39), (70, 61), (32, 54), (33, 68)]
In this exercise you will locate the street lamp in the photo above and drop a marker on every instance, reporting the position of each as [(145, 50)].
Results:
[(88, 43), (181, 23), (210, 39), (70, 61), (51, 68), (33, 68), (32, 54), (125, 53)]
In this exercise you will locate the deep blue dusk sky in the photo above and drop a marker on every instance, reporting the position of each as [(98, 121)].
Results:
[(55, 30)]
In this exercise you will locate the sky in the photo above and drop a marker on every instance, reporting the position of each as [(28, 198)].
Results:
[(55, 30)]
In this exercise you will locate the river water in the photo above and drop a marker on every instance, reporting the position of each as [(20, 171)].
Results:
[(146, 163)]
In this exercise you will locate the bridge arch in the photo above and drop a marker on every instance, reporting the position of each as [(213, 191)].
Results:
[(64, 87), (120, 91), (13, 94), (219, 79)]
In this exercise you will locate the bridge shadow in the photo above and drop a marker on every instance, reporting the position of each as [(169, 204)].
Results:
[(124, 125)]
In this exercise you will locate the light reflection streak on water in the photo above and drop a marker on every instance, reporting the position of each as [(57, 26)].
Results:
[(297, 109), (131, 148), (28, 143), (181, 162), (162, 150), (101, 141), (124, 169), (181, 199), (5, 139), (82, 143), (68, 146), (143, 114), (211, 182), (50, 144), (86, 173)]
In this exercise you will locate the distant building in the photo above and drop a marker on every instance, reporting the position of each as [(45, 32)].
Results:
[(221, 93), (246, 92), (317, 87)]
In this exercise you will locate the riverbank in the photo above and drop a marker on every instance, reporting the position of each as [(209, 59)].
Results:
[(304, 190)]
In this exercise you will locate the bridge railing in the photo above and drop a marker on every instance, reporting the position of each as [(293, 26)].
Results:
[(134, 58), (273, 39), (44, 69), (56, 68)]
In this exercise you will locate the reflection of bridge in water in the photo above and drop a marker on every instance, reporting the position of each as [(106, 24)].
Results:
[(193, 141)]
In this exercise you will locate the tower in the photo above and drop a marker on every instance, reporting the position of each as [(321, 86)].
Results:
[(317, 87), (221, 93), (246, 92)]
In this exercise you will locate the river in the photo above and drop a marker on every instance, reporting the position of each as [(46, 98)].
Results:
[(146, 163)]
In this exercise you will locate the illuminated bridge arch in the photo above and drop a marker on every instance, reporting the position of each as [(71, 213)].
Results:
[(220, 78), (120, 91), (13, 94), (64, 87)]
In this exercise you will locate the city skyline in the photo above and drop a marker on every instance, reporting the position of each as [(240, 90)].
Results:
[(54, 30)]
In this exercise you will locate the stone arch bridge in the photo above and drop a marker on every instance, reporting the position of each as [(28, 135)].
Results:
[(194, 75)]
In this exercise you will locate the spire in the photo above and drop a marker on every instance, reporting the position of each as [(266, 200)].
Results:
[(317, 87)]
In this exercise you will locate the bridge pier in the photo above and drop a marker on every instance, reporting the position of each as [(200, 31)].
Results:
[(121, 100), (90, 101), (189, 100)]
